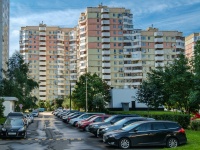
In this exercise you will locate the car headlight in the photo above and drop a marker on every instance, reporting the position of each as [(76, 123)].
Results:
[(21, 129), (112, 135), (105, 129), (3, 129), (95, 126)]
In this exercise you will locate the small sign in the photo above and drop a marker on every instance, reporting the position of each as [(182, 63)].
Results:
[(20, 105)]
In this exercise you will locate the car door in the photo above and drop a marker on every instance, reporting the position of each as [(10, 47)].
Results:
[(159, 133), (140, 134)]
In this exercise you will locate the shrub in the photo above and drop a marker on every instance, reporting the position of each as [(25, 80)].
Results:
[(195, 125)]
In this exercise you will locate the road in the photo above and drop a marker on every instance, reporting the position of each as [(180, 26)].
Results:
[(50, 133)]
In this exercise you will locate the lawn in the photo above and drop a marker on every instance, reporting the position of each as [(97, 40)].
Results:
[(146, 112), (193, 138)]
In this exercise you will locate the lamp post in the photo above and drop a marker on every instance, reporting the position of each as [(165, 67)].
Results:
[(70, 96), (86, 95)]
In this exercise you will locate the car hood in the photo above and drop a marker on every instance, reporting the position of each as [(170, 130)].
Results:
[(115, 132), (112, 127), (101, 123)]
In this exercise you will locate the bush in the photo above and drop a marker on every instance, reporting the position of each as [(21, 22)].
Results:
[(195, 125), (182, 119)]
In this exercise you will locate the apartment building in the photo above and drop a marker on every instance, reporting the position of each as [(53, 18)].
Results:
[(119, 54), (4, 33), (190, 42), (46, 49), (101, 33)]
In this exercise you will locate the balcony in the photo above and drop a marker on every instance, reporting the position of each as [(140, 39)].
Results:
[(158, 34), (159, 52), (42, 38), (42, 63), (105, 52), (106, 71), (42, 53), (132, 71), (42, 68), (105, 22), (158, 46), (105, 34), (42, 43), (105, 40), (106, 77), (105, 28), (105, 16), (158, 40), (132, 65), (42, 88), (159, 64), (42, 78), (159, 58), (105, 64), (42, 73), (42, 48), (42, 58), (104, 10), (42, 98), (42, 93), (42, 28), (43, 83), (105, 58), (105, 46), (42, 33)]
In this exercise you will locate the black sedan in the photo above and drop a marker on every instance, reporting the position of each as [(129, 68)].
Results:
[(147, 133), (120, 124), (14, 127)]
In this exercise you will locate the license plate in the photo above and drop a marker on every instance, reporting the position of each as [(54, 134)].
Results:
[(11, 133)]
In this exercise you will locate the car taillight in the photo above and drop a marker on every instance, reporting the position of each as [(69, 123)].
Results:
[(181, 130)]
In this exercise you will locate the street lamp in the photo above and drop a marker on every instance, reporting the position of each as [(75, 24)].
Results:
[(86, 95), (70, 96)]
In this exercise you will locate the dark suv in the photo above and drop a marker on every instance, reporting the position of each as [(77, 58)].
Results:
[(147, 133), (93, 128)]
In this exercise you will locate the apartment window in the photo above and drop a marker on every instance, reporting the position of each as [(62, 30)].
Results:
[(97, 26), (97, 32), (114, 26), (143, 38), (97, 20), (97, 38), (114, 32), (120, 56), (114, 20), (114, 44), (149, 37), (143, 44), (120, 32), (113, 15), (98, 50), (119, 44), (98, 56), (115, 56), (115, 75)]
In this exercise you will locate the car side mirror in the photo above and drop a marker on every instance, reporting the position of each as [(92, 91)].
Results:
[(124, 125), (112, 122)]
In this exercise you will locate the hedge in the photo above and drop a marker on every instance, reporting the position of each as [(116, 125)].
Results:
[(195, 125), (182, 119)]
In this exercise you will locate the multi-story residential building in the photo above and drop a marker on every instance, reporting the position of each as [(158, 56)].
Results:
[(46, 49), (153, 48), (4, 33), (190, 42), (102, 31), (119, 54)]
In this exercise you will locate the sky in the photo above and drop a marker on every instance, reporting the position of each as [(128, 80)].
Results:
[(176, 15)]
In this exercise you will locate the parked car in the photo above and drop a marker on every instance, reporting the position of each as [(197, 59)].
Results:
[(82, 117), (120, 124), (111, 120), (14, 127), (41, 109), (147, 133), (35, 113), (15, 114), (85, 123)]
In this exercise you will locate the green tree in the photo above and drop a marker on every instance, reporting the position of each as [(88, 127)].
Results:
[(2, 107), (66, 103), (16, 81), (95, 85)]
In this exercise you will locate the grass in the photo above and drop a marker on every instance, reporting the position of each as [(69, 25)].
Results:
[(193, 138), (146, 112)]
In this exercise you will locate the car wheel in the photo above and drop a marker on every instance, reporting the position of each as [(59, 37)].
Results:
[(74, 124), (87, 128), (172, 142), (25, 135), (124, 143)]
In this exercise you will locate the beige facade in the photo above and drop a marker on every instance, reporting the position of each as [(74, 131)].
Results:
[(46, 49), (190, 43)]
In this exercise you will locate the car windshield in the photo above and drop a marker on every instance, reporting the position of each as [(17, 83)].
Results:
[(131, 126), (120, 122), (14, 122), (109, 119)]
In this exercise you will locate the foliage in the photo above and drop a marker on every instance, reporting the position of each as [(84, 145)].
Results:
[(59, 101), (182, 119), (2, 107), (66, 103), (17, 83), (95, 86), (195, 125), (172, 87), (2, 120)]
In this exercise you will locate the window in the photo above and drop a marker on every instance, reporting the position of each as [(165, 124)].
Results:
[(97, 20), (144, 127), (158, 126), (171, 125)]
